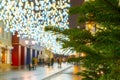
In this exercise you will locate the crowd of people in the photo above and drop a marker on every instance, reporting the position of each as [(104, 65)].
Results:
[(47, 61)]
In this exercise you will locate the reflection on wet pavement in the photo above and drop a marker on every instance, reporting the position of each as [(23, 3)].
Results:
[(25, 74), (68, 74), (41, 72)]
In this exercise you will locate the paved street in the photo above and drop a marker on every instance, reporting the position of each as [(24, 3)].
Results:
[(67, 74), (40, 73)]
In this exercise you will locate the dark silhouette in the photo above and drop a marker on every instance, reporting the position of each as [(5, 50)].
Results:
[(59, 60), (52, 61)]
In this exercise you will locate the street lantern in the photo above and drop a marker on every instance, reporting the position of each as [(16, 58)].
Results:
[(30, 42), (26, 41)]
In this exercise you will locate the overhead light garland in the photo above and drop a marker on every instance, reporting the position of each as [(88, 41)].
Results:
[(29, 18)]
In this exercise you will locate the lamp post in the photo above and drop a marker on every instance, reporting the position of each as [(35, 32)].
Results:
[(29, 43)]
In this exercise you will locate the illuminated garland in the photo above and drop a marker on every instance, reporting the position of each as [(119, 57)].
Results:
[(29, 18)]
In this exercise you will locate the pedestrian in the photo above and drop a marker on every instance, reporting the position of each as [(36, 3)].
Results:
[(30, 66), (48, 62), (52, 61), (36, 62), (33, 63), (59, 62), (42, 61)]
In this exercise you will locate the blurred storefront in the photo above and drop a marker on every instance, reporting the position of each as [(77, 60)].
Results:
[(24, 51), (5, 46)]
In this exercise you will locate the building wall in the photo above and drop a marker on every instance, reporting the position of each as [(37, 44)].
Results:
[(5, 44), (73, 19), (15, 56), (15, 50), (48, 53), (23, 53)]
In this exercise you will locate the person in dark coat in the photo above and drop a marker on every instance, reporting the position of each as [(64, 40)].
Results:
[(52, 61)]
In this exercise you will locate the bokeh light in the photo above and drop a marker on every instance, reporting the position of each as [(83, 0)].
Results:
[(30, 17)]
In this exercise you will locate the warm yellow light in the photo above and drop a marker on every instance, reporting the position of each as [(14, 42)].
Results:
[(76, 69), (83, 54), (48, 48), (0, 30), (90, 26)]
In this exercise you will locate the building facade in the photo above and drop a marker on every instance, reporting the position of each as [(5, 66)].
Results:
[(5, 45), (24, 51), (73, 19)]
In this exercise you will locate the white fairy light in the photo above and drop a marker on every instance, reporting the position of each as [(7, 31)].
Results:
[(29, 18)]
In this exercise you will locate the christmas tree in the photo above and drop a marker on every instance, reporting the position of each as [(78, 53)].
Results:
[(101, 45)]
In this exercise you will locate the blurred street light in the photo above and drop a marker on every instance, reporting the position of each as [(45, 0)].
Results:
[(29, 42), (82, 54)]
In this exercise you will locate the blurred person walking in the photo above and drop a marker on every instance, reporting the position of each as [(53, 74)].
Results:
[(59, 60), (52, 62)]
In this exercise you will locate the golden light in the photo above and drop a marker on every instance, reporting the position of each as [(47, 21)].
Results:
[(76, 69), (0, 29), (91, 26), (82, 54)]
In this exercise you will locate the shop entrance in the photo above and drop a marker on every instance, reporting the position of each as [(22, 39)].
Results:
[(3, 56)]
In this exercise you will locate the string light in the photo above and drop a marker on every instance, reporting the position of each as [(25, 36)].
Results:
[(29, 18)]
